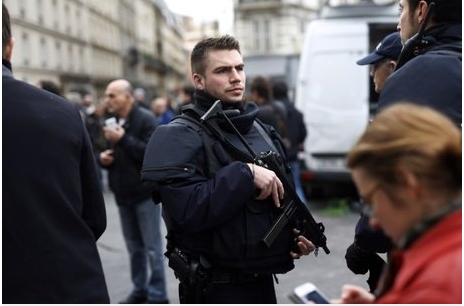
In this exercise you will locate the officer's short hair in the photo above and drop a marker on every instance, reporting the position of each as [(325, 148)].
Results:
[(202, 48), (449, 11), (6, 29)]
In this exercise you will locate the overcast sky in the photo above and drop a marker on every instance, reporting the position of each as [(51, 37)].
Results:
[(205, 10)]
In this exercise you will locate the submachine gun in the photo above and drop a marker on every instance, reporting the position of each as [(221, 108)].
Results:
[(293, 209)]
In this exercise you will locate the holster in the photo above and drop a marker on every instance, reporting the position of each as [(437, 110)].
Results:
[(193, 275)]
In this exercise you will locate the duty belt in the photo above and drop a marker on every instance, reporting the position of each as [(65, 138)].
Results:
[(226, 277)]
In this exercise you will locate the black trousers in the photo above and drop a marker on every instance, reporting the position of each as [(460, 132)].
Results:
[(252, 292)]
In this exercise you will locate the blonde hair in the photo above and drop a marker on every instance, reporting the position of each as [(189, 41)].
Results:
[(414, 138)]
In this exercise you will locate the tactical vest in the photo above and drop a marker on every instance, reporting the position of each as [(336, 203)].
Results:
[(246, 253)]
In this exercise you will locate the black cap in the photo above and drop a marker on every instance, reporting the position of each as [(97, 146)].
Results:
[(390, 47)]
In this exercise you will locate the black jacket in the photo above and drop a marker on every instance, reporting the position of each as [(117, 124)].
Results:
[(124, 173), (296, 130), (433, 78), (53, 209), (215, 214)]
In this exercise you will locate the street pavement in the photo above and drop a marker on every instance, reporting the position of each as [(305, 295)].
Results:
[(327, 272)]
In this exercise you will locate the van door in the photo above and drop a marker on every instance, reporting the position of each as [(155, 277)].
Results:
[(332, 93)]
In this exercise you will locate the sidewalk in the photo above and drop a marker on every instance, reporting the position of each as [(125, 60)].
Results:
[(327, 272)]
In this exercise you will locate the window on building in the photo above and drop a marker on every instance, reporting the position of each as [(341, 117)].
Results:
[(58, 55), (70, 58), (55, 14), (25, 45), (81, 59), (67, 16), (22, 8), (78, 22), (43, 52), (262, 32), (40, 11)]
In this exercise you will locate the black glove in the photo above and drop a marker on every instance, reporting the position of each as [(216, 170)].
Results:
[(357, 259), (376, 267), (360, 261)]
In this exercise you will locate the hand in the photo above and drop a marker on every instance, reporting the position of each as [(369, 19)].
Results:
[(114, 134), (354, 295), (304, 245), (357, 259), (106, 157), (268, 184)]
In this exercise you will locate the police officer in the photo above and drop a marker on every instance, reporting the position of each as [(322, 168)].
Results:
[(361, 256), (429, 71), (216, 207)]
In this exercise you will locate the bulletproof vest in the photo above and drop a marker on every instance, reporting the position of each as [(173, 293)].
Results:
[(237, 245)]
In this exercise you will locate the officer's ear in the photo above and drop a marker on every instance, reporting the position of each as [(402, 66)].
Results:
[(8, 49), (199, 81), (391, 65)]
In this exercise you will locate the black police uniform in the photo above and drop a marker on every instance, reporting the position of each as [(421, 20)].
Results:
[(213, 220), (434, 77)]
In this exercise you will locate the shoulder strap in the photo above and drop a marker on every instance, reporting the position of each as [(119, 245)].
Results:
[(259, 126), (188, 121)]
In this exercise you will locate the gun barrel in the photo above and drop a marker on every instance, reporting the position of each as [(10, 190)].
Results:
[(312, 230)]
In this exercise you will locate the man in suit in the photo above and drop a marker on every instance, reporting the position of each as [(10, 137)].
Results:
[(53, 208)]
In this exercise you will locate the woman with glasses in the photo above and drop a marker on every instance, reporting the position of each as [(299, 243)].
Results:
[(408, 168)]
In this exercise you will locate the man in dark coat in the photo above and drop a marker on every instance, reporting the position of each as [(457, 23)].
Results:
[(140, 217), (53, 209), (295, 136), (434, 77)]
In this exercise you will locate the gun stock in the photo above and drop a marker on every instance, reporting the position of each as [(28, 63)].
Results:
[(293, 210)]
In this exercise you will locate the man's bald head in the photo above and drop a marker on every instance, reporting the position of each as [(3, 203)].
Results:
[(118, 97)]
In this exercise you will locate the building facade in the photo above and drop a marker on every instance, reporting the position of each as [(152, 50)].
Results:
[(271, 35), (81, 45)]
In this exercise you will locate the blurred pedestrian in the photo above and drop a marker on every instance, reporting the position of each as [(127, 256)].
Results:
[(51, 87), (140, 98), (217, 207), (429, 71), (184, 97), (93, 115), (408, 167), (140, 217), (362, 255), (53, 208), (162, 111), (295, 134), (270, 112)]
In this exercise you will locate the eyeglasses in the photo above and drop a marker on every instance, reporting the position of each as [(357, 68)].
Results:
[(378, 64), (366, 206)]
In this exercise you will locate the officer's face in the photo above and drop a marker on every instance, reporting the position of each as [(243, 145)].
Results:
[(224, 76), (409, 20)]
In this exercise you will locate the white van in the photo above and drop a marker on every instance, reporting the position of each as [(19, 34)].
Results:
[(335, 95)]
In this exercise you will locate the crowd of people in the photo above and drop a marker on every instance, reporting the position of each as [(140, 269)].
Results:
[(198, 167)]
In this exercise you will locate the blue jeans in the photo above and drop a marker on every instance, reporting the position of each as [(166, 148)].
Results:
[(142, 234), (295, 165)]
